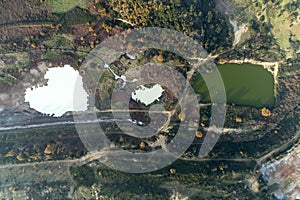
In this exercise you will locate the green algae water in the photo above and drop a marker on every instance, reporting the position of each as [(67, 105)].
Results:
[(245, 84)]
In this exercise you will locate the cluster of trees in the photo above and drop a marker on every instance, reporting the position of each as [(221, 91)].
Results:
[(197, 18), (260, 46)]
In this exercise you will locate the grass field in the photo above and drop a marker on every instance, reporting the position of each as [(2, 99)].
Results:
[(61, 6), (282, 16), (285, 24)]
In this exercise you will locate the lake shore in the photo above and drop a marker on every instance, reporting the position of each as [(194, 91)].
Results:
[(272, 67)]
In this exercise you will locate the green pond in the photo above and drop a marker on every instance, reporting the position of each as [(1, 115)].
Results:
[(245, 84)]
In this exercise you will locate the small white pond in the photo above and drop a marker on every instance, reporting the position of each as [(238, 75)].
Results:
[(58, 96), (147, 95)]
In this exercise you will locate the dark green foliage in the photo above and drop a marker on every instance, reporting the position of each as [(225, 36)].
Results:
[(83, 175), (197, 18), (75, 16)]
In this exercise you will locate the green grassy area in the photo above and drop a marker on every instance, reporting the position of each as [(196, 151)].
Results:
[(285, 2), (10, 65), (60, 6), (60, 41), (246, 84), (285, 23), (277, 19), (286, 27), (21, 60), (60, 45)]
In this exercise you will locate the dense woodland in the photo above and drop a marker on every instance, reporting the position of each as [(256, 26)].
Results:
[(196, 18)]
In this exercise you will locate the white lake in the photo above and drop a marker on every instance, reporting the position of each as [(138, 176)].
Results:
[(147, 95), (57, 97)]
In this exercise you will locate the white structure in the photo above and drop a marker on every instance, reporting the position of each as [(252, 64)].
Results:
[(57, 98), (147, 95), (144, 95)]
